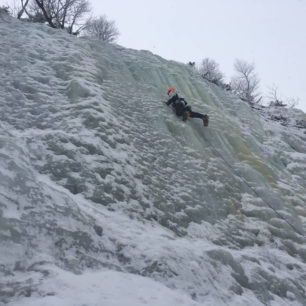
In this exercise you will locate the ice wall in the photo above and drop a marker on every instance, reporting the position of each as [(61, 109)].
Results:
[(97, 173)]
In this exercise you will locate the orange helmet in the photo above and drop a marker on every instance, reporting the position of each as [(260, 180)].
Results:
[(170, 89)]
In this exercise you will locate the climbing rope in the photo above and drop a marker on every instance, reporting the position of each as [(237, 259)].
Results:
[(217, 153)]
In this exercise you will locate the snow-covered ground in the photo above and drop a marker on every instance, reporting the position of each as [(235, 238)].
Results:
[(107, 198)]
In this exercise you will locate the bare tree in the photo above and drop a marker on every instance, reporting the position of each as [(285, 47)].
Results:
[(74, 14), (293, 102), (63, 14), (34, 12), (101, 28), (274, 99), (28, 7), (209, 70), (245, 83)]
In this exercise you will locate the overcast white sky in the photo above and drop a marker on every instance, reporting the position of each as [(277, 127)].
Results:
[(269, 33)]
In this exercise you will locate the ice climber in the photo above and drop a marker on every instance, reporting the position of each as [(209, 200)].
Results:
[(181, 107)]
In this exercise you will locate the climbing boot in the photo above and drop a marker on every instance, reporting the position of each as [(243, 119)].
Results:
[(205, 120)]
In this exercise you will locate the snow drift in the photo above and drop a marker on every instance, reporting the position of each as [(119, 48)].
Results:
[(104, 191)]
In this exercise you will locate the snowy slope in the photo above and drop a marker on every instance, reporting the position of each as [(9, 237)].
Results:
[(107, 198)]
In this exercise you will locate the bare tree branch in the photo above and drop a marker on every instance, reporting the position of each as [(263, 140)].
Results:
[(102, 29), (209, 70), (23, 8), (63, 14), (245, 83), (44, 8)]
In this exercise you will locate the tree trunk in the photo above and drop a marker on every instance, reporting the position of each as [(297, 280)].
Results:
[(23, 8), (48, 18)]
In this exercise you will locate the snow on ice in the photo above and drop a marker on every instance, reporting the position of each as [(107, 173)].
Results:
[(107, 198)]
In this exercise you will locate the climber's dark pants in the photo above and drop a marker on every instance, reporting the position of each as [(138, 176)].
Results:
[(192, 114), (196, 115)]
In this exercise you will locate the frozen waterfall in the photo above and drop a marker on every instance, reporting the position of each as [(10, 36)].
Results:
[(105, 195)]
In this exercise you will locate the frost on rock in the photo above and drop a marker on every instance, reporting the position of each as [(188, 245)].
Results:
[(97, 174)]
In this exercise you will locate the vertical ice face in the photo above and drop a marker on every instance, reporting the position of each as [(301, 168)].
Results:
[(97, 172)]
